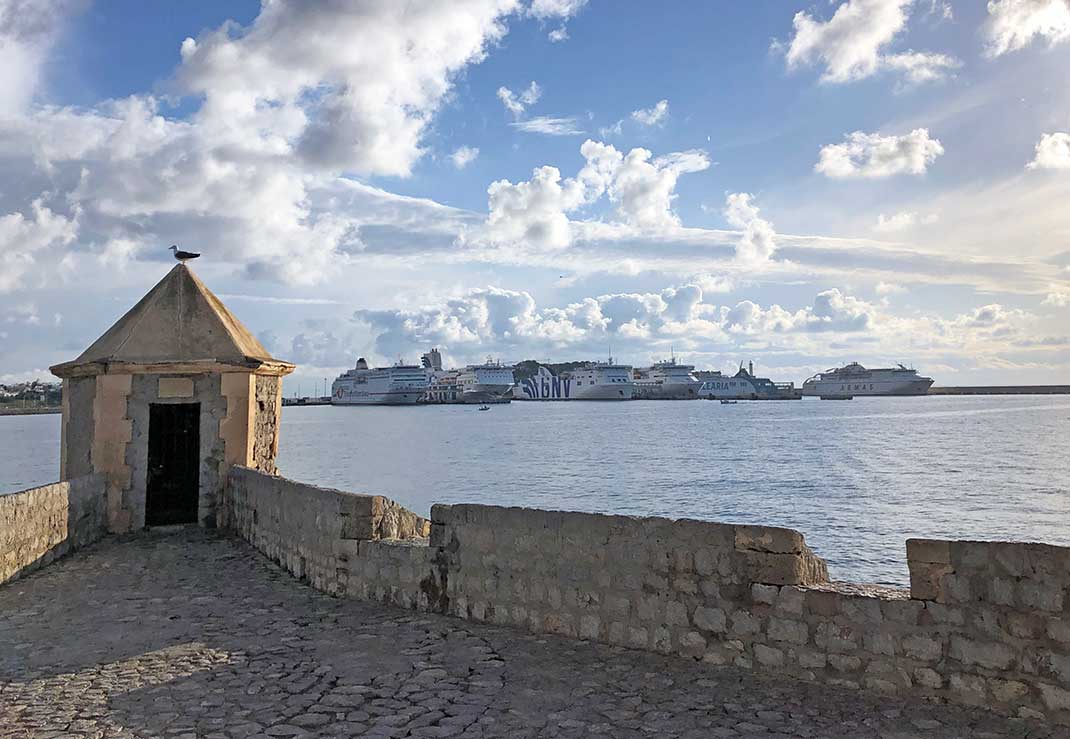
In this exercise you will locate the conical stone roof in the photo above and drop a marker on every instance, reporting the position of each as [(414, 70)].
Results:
[(179, 326)]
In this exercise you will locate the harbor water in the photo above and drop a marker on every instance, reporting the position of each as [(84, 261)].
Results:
[(856, 477)]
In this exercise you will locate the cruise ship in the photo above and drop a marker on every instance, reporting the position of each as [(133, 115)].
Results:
[(666, 380), (590, 381), (489, 382), (854, 379), (744, 385), (401, 384)]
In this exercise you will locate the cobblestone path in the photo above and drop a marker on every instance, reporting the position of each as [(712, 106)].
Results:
[(194, 634)]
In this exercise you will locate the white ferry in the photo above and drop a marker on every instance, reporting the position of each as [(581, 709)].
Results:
[(602, 381), (592, 381), (666, 380), (854, 379), (744, 386), (485, 383), (401, 384)]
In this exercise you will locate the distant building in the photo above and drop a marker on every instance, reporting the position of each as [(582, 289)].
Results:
[(432, 360)]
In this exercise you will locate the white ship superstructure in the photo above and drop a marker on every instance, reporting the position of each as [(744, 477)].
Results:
[(590, 381), (666, 380), (485, 383), (401, 384), (744, 385), (854, 379), (602, 381)]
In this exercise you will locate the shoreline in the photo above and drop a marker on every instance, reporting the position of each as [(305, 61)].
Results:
[(30, 411)]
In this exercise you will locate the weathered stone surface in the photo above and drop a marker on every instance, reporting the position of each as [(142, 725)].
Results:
[(143, 638), (717, 593), (39, 525)]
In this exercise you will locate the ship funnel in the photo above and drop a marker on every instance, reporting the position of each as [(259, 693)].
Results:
[(750, 368), (362, 363)]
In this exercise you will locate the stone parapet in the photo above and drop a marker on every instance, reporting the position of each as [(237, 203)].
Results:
[(42, 524), (312, 531), (984, 623)]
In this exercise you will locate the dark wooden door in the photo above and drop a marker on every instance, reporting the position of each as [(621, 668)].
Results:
[(171, 491)]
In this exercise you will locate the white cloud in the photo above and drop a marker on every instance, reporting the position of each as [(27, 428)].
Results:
[(550, 10), (639, 185), (1052, 152), (512, 324), (615, 130), (643, 188), (531, 212), (758, 241), (517, 104), (873, 155), (23, 237), (921, 66), (23, 313), (1014, 24), (545, 9), (1058, 298), (851, 44), (549, 126), (888, 288), (558, 35), (903, 220), (251, 176), (463, 156), (651, 116), (356, 85), (28, 30)]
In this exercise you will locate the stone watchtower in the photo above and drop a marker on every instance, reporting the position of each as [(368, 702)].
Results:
[(166, 401)]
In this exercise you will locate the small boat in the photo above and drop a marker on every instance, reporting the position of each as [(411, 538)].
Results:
[(484, 407), (729, 402)]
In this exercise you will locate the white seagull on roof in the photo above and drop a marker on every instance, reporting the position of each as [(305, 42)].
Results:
[(183, 256)]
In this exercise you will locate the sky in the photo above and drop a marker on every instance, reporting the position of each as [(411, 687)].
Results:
[(796, 184)]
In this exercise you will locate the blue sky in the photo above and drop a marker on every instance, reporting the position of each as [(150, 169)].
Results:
[(798, 184)]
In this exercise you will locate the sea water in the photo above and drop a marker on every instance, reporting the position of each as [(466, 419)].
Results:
[(856, 477)]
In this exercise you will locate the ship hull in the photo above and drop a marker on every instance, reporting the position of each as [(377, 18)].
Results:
[(618, 391), (389, 398), (674, 391), (875, 388), (486, 394)]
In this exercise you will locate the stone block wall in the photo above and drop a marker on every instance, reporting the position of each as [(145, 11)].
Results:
[(313, 532), (42, 524), (984, 624), (267, 412)]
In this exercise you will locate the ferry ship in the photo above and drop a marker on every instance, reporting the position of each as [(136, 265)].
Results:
[(489, 382), (854, 379), (401, 384), (744, 385), (591, 381), (666, 380)]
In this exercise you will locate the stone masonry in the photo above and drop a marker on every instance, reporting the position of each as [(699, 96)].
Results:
[(42, 524), (193, 635), (985, 624)]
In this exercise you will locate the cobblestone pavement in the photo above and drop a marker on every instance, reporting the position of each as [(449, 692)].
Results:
[(194, 634)]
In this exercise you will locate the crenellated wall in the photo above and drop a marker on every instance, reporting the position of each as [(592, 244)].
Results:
[(42, 524), (984, 624)]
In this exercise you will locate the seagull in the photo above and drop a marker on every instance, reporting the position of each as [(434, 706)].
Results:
[(183, 256)]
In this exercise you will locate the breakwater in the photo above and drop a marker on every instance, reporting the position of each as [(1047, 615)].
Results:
[(1002, 390), (983, 623)]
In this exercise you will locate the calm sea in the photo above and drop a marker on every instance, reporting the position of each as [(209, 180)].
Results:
[(856, 477)]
